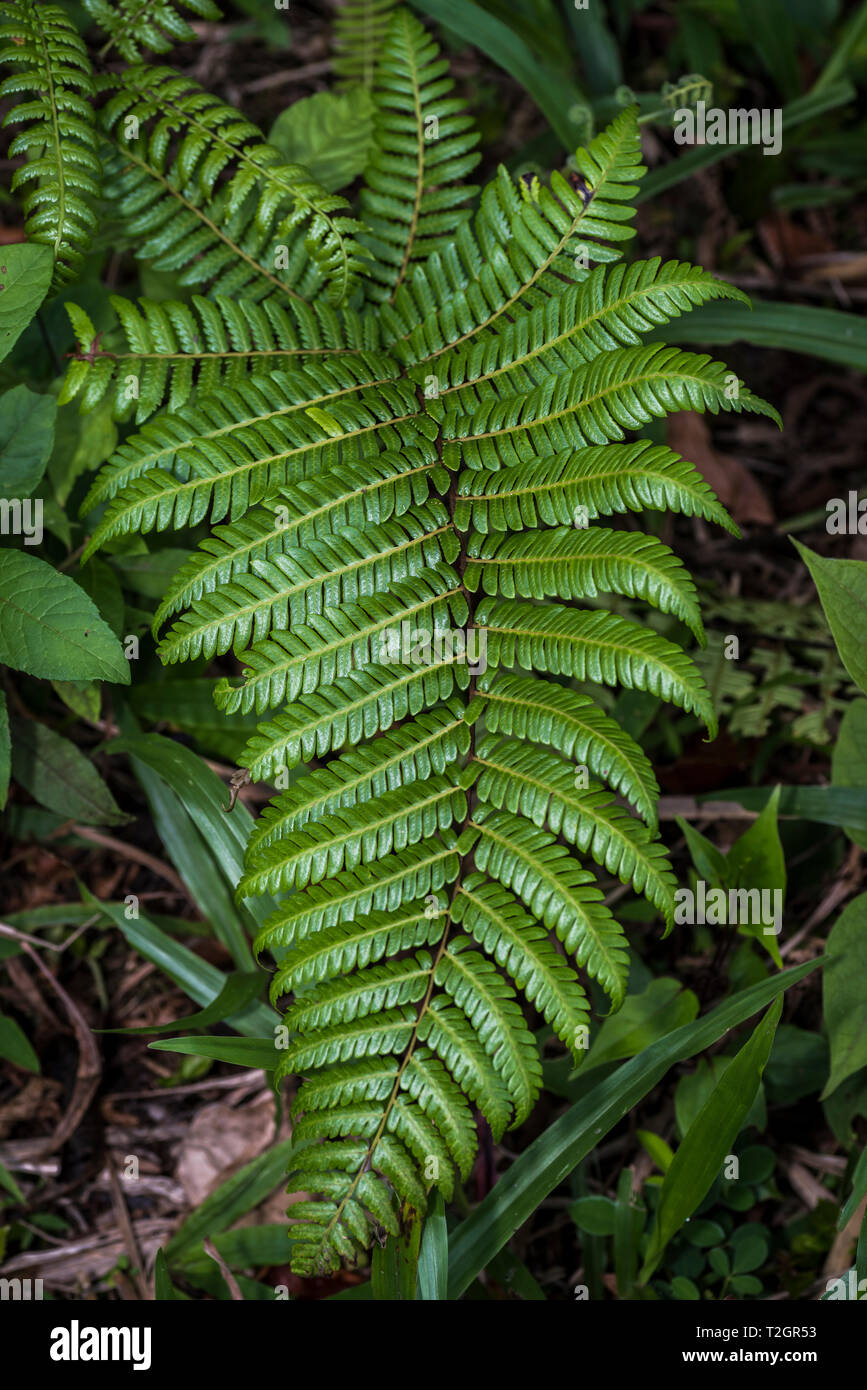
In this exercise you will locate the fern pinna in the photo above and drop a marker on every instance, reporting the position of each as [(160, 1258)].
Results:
[(408, 461)]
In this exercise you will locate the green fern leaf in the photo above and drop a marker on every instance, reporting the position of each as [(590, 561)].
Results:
[(133, 25), (424, 143), (398, 531), (61, 179), (360, 27)]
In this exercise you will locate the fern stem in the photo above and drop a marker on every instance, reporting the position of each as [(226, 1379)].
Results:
[(419, 177)]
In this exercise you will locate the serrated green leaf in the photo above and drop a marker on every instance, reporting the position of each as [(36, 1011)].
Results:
[(25, 275), (26, 439), (59, 776), (50, 628)]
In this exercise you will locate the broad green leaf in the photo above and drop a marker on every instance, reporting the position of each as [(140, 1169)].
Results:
[(82, 697), (596, 1215), (550, 1159), (101, 584), (695, 1088), (629, 1214), (798, 1065), (5, 751), (707, 1142), (50, 628), (750, 1250), (15, 1047), (506, 1269), (833, 334), (844, 993), (25, 274), (329, 133), (756, 861), (26, 438), (842, 586), (199, 866), (849, 759), (847, 1103), (828, 805), (240, 1052), (149, 573), (81, 444), (433, 1259), (659, 1151), (188, 705), (246, 1248), (708, 860), (663, 1006), (59, 776)]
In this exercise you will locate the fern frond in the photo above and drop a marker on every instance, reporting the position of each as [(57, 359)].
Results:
[(345, 839), (396, 879), (352, 708), (424, 144), (163, 186), (133, 25), (588, 646), (544, 712), (617, 391), (537, 784), (495, 918), (360, 27), (523, 244), (353, 639), (566, 897), (298, 585), (61, 179), (387, 486), (420, 485), (569, 564), (175, 350), (432, 742), (336, 950), (232, 450), (575, 487), (489, 1003), (612, 308)]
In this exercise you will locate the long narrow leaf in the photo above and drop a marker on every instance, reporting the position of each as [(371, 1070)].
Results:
[(550, 1159)]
